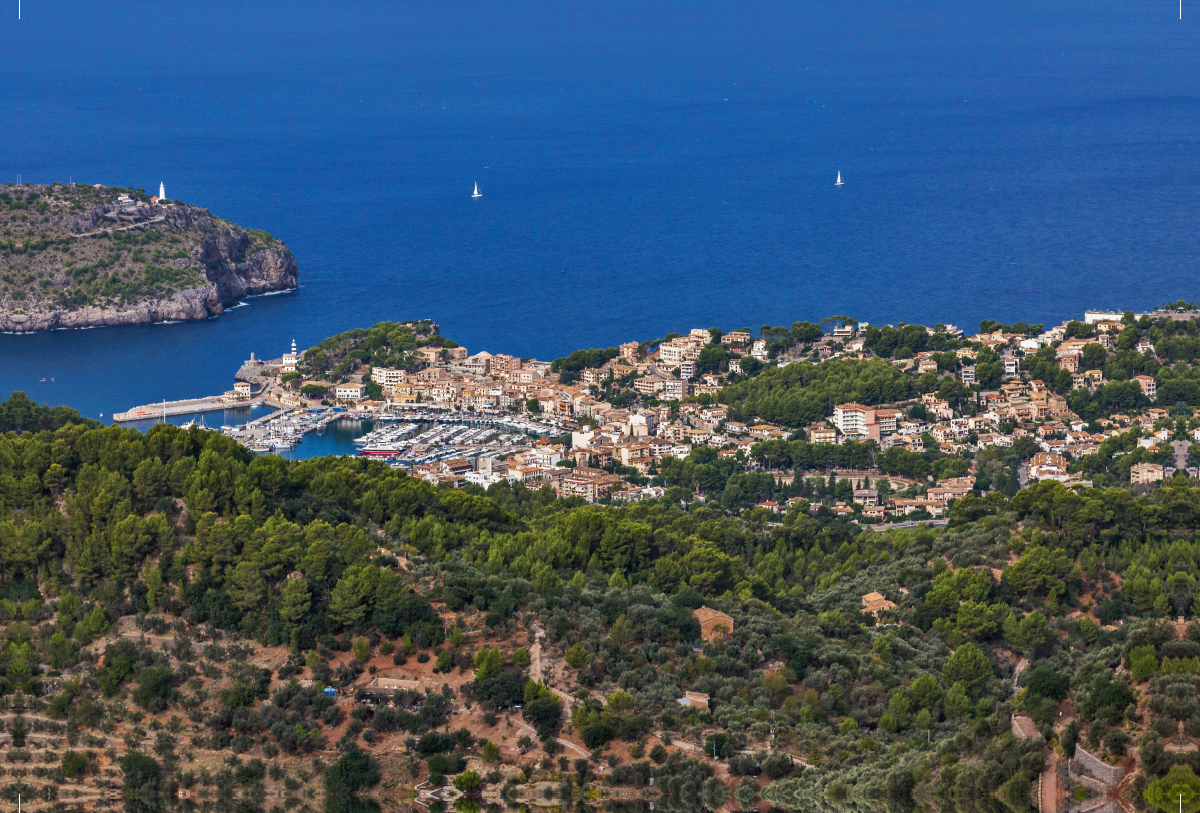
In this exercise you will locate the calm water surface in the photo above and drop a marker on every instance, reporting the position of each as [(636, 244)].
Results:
[(645, 166), (335, 439)]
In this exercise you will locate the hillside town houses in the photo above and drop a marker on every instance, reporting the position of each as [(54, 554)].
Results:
[(608, 452)]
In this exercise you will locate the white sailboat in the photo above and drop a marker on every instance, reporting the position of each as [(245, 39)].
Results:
[(477, 195), (839, 180)]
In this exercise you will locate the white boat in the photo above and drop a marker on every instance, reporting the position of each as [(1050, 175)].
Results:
[(477, 195), (839, 180)]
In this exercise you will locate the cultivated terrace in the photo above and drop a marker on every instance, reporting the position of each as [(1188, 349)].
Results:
[(727, 627)]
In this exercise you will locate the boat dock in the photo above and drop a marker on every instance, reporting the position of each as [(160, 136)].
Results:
[(170, 408), (439, 441), (411, 436), (284, 429)]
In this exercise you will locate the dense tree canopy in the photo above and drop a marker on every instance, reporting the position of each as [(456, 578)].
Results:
[(801, 393), (386, 344), (97, 523)]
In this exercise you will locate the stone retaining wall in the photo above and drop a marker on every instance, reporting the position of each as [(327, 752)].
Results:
[(1108, 774)]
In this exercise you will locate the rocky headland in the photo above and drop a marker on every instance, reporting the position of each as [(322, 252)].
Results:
[(74, 256)]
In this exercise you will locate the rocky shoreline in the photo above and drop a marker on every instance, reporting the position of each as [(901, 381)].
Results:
[(229, 262), (193, 305)]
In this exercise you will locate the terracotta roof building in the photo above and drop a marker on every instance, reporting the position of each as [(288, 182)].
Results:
[(1047, 465), (874, 602), (713, 623)]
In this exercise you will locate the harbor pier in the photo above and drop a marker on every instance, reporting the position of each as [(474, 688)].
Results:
[(186, 407)]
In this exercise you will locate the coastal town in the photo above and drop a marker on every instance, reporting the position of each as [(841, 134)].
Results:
[(387, 425), (996, 410), (891, 496)]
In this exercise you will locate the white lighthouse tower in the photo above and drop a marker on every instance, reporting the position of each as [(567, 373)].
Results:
[(162, 191), (290, 359)]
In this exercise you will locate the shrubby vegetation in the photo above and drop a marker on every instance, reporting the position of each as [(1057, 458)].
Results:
[(49, 262), (387, 344), (97, 523)]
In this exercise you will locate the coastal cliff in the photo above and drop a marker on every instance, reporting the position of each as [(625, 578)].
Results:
[(74, 256)]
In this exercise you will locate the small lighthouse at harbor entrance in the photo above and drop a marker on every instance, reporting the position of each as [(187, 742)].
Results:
[(290, 359)]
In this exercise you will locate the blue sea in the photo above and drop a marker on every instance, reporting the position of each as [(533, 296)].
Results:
[(646, 165)]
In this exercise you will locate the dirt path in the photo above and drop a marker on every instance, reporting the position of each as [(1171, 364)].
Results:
[(535, 667), (1022, 665), (568, 744), (564, 743), (1048, 803), (535, 653), (137, 225), (680, 744)]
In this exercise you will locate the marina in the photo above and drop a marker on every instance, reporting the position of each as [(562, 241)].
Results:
[(438, 442), (283, 429), (400, 436)]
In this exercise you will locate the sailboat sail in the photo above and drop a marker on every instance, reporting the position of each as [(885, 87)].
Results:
[(839, 180), (477, 195)]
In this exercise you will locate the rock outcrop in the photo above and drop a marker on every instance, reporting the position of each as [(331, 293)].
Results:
[(226, 264), (214, 263), (193, 304)]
